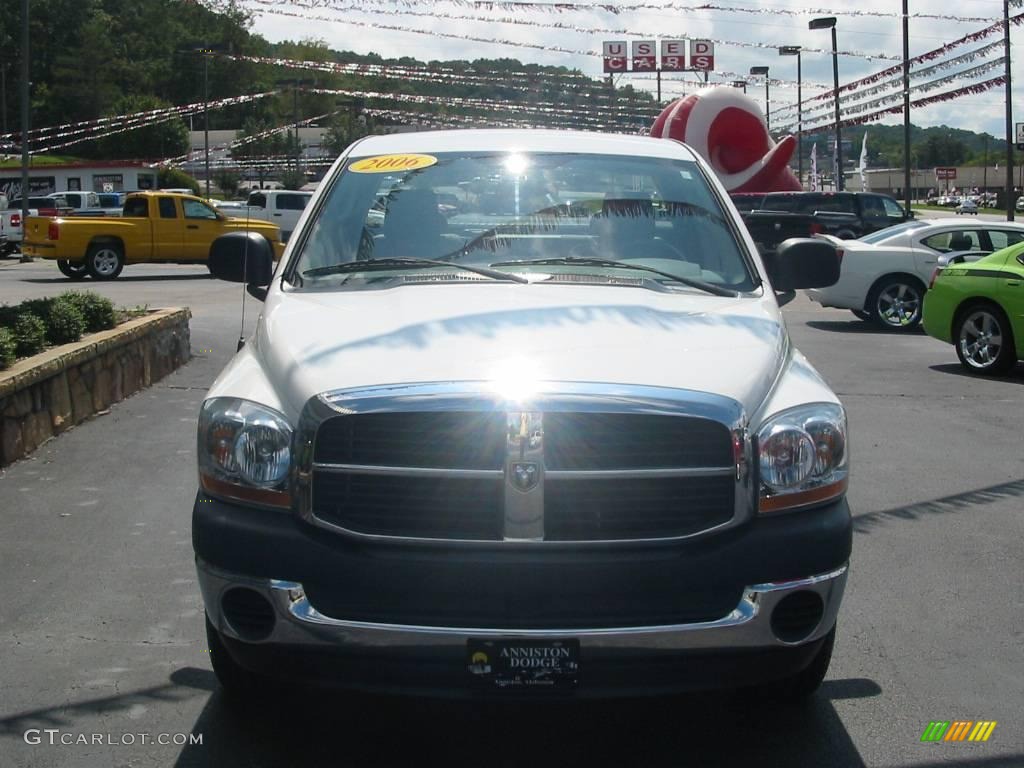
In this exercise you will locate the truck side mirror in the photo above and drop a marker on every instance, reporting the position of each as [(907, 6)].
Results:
[(803, 263), (243, 257)]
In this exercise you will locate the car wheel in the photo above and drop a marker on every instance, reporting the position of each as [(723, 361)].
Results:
[(984, 340), (846, 235), (240, 685), (804, 683), (895, 303), (861, 314), (104, 261), (75, 270)]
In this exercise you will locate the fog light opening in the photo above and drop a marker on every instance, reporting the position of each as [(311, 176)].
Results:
[(797, 616), (248, 612)]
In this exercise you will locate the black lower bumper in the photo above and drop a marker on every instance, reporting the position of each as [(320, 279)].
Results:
[(650, 618)]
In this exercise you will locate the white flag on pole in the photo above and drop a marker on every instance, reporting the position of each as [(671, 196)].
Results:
[(814, 167), (863, 167)]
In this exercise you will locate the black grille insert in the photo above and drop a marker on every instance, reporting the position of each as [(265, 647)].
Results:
[(445, 439), (633, 441), (588, 510), (428, 507)]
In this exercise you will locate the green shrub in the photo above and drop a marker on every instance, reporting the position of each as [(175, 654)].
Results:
[(97, 310), (8, 348), (64, 323), (29, 334), (175, 178)]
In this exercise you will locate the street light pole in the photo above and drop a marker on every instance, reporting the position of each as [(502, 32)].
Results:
[(795, 50), (906, 107), (767, 102), (1009, 114), (206, 119), (24, 113), (829, 22)]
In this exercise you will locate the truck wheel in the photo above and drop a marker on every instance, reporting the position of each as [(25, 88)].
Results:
[(984, 340), (104, 261), (241, 686), (72, 269), (895, 303), (803, 684)]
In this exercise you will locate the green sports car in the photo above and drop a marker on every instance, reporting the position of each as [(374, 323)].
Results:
[(979, 308)]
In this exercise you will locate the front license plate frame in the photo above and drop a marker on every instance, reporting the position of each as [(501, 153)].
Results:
[(523, 665)]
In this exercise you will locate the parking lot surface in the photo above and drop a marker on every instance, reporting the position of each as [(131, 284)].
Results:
[(101, 625)]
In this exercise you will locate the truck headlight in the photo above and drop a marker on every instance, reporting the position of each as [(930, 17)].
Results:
[(244, 452), (802, 457)]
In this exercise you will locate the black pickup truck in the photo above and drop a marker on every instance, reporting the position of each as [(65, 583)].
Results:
[(847, 215), (770, 228)]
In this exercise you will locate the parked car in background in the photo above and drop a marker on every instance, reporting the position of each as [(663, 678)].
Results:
[(884, 275), (78, 202), (154, 227), (11, 223), (855, 213), (978, 307), (111, 203), (967, 205)]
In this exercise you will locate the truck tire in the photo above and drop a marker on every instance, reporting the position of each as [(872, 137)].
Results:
[(799, 687), (104, 261), (74, 270), (241, 686)]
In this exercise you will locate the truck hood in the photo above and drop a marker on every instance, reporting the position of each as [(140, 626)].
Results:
[(312, 342)]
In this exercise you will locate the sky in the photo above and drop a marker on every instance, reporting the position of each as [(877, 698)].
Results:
[(766, 24)]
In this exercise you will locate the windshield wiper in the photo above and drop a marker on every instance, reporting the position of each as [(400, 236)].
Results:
[(370, 265), (587, 261)]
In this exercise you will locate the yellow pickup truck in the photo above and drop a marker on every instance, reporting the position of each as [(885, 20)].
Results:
[(154, 227)]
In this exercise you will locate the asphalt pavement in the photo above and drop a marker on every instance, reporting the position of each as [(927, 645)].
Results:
[(101, 627)]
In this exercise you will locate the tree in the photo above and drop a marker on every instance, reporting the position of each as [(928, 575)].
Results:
[(150, 139), (227, 181), (343, 129), (292, 179)]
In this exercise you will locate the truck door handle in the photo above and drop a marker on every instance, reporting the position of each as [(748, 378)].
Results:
[(191, 226), (1013, 282), (279, 214)]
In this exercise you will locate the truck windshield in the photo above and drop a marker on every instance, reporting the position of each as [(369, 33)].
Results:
[(565, 212)]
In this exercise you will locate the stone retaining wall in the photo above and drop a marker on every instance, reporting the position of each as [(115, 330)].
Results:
[(42, 396)]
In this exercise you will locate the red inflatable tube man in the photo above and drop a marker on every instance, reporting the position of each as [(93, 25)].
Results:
[(728, 130)]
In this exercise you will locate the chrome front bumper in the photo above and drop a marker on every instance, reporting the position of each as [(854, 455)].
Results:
[(298, 623)]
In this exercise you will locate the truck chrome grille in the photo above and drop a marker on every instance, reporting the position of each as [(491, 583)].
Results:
[(558, 475)]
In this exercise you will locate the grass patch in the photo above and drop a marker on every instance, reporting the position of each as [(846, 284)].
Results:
[(38, 161)]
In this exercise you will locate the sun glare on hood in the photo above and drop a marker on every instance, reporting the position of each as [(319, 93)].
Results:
[(517, 379)]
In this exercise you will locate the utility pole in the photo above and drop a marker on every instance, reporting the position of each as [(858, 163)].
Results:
[(906, 107), (24, 112), (1009, 114)]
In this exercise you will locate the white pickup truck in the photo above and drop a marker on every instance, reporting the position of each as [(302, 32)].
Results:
[(278, 206), (10, 218), (521, 417)]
